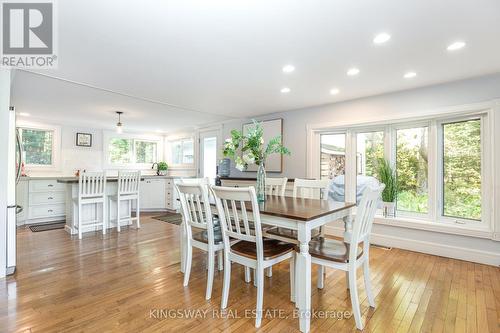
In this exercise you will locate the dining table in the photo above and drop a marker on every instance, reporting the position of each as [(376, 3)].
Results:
[(304, 215)]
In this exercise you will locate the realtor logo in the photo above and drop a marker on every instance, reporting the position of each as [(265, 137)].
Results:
[(28, 34)]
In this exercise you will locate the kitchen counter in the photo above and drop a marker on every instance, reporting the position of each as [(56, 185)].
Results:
[(248, 178), (69, 179)]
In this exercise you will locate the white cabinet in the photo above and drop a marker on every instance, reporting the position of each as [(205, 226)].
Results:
[(171, 195), (46, 200), (152, 194)]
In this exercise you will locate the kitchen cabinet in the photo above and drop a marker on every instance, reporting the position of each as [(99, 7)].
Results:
[(46, 201), (152, 194)]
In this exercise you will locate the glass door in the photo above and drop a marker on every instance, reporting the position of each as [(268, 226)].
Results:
[(209, 155)]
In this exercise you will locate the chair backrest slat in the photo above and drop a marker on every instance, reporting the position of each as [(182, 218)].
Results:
[(365, 215), (310, 188), (276, 186), (128, 182), (91, 184), (225, 196), (195, 208)]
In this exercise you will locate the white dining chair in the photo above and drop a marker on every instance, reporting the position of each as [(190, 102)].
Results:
[(199, 229), (128, 190), (276, 186), (306, 189), (251, 250), (91, 191), (349, 256)]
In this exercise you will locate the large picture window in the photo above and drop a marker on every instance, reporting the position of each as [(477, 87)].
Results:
[(38, 146), (130, 151), (462, 169), (412, 164)]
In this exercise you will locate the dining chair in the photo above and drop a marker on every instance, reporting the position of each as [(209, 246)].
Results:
[(251, 250), (91, 191), (199, 229), (127, 190), (348, 257), (306, 189), (276, 186)]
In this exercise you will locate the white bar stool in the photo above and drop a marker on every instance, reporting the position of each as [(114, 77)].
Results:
[(128, 190), (91, 191)]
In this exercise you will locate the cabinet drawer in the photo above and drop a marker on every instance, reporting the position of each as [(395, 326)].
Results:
[(46, 211), (170, 182), (43, 198), (46, 185)]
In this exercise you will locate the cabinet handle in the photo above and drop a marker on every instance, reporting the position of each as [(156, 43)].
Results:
[(50, 210), (50, 198), (50, 185)]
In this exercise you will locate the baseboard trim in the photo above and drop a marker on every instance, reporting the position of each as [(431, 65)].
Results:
[(443, 250)]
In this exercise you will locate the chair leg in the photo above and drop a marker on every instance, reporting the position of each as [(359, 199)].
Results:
[(255, 278), (79, 221), (118, 214), (260, 295), (210, 279), (248, 277), (353, 289), (104, 217), (138, 215), (347, 279), (269, 271), (292, 279), (220, 260), (183, 247), (189, 256), (321, 276), (368, 283), (227, 282)]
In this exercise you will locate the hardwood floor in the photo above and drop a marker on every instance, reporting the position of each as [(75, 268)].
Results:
[(122, 282)]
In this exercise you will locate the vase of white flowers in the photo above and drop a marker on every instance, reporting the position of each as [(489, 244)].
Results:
[(249, 149)]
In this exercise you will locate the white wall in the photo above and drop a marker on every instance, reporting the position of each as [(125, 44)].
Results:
[(4, 145), (387, 106)]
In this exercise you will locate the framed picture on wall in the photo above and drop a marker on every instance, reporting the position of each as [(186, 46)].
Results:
[(272, 128), (84, 139)]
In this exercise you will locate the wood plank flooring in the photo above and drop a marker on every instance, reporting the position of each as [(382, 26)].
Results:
[(130, 282)]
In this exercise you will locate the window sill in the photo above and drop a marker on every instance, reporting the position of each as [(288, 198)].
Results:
[(447, 228)]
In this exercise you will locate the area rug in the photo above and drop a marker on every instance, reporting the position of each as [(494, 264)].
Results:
[(47, 226), (172, 218)]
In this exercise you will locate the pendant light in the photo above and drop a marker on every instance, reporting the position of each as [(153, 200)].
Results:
[(119, 125)]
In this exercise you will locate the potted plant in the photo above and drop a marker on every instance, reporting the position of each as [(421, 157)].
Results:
[(387, 176), (249, 149), (161, 168)]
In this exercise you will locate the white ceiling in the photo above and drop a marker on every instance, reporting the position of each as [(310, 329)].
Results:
[(225, 57)]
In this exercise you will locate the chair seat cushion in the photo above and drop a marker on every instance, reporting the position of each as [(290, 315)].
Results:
[(272, 248), (201, 235), (331, 249)]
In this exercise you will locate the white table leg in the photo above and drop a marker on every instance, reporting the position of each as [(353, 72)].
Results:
[(303, 278)]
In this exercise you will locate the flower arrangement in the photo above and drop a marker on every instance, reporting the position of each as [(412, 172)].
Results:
[(252, 147)]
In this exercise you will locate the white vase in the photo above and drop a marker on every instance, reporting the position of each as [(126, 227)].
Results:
[(389, 209)]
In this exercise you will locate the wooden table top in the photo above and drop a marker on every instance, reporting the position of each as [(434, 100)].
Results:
[(299, 209)]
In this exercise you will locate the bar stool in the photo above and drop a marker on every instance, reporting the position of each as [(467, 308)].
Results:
[(91, 191), (128, 190)]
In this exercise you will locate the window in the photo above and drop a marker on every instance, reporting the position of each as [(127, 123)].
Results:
[(412, 169), (123, 151), (38, 146), (461, 156), (370, 150), (182, 151), (332, 147)]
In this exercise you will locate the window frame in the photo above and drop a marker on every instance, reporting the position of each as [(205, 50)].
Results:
[(170, 152), (56, 145), (108, 135), (431, 118)]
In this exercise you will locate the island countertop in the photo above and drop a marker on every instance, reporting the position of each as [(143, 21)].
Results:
[(74, 180)]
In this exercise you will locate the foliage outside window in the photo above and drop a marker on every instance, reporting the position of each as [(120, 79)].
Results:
[(131, 151), (462, 169), (412, 169), (369, 152), (182, 151), (38, 146)]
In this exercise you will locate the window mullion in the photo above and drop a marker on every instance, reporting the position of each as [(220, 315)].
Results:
[(434, 170)]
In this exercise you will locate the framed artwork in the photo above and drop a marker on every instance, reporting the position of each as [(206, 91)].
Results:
[(84, 139), (272, 128)]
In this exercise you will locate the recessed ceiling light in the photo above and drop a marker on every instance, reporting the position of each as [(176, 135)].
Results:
[(288, 69), (353, 71), (381, 38), (285, 90), (456, 46), (410, 75), (24, 114), (334, 91)]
